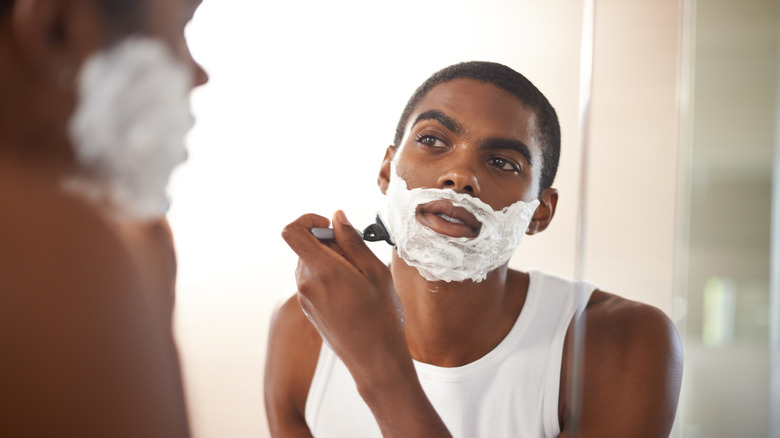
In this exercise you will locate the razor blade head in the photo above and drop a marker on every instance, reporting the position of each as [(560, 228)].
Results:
[(373, 233)]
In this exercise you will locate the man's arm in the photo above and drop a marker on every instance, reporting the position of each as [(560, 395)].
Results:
[(633, 370), (349, 296), (293, 350)]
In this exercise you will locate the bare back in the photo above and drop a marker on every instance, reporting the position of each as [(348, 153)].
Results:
[(83, 352)]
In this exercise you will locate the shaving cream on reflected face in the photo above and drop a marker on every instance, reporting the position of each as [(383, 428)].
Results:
[(128, 129), (439, 257)]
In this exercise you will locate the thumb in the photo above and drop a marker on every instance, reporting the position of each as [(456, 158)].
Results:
[(352, 245)]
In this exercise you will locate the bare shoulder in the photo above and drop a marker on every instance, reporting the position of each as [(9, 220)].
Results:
[(46, 231), (628, 327), (75, 324), (151, 247), (293, 350), (633, 369)]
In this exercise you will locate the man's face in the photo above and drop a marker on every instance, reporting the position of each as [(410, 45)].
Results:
[(127, 130), (474, 138)]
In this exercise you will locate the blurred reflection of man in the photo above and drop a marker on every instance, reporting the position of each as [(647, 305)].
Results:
[(87, 91), (448, 340)]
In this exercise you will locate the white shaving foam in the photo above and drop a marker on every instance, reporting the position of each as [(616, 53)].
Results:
[(440, 257), (128, 129)]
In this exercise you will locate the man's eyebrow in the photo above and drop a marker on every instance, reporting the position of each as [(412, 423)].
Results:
[(492, 144), (447, 121)]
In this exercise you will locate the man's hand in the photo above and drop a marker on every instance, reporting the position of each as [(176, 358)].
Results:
[(348, 295)]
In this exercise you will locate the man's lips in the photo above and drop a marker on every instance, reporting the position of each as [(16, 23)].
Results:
[(445, 218)]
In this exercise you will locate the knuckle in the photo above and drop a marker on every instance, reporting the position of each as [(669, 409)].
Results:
[(305, 287), (289, 230)]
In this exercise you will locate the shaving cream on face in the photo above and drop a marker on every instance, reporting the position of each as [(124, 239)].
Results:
[(128, 129), (439, 257)]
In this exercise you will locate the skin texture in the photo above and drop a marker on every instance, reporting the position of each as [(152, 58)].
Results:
[(85, 302), (150, 245), (384, 316)]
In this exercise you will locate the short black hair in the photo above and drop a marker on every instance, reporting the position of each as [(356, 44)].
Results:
[(124, 15), (505, 78)]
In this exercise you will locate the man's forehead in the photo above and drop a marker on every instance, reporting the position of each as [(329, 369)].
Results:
[(479, 106)]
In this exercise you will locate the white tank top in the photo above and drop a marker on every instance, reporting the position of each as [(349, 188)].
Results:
[(510, 392)]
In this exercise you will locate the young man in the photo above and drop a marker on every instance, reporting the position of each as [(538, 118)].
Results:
[(86, 269), (448, 340)]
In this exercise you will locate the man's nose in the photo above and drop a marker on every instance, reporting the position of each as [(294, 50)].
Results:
[(200, 75), (462, 178)]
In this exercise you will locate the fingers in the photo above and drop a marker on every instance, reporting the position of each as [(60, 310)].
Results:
[(353, 248), (298, 235), (348, 251), (319, 264)]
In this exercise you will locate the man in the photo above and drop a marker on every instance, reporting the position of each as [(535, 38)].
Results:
[(448, 340), (86, 268)]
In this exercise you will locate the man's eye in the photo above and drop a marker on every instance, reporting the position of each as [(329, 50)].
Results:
[(430, 141), (504, 164)]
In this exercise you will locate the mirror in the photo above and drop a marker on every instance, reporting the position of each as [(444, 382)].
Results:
[(303, 99)]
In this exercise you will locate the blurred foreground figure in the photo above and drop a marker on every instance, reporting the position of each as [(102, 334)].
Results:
[(93, 110), (449, 341)]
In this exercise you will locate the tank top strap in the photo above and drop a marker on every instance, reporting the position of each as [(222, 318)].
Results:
[(561, 295)]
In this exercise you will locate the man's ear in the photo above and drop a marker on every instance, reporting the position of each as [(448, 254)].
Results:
[(543, 215), (54, 36), (384, 172)]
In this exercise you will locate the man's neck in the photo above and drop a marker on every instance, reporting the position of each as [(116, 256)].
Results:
[(33, 135), (34, 117), (45, 169), (453, 324)]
